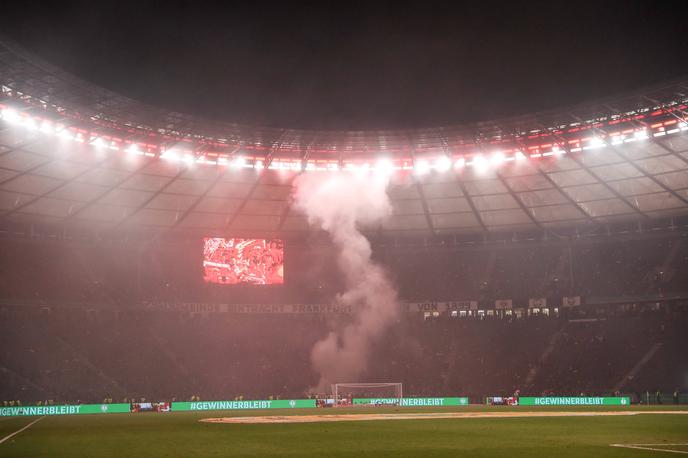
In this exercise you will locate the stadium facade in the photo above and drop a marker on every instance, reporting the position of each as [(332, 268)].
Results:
[(77, 156)]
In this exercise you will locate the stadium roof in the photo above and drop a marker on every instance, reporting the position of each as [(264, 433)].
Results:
[(75, 154)]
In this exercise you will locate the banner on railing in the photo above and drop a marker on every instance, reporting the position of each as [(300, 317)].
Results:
[(537, 302), (503, 304), (413, 402), (241, 405), (193, 307), (574, 401), (433, 306), (570, 301), (74, 409)]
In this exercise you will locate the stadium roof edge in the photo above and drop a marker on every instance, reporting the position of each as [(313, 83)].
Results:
[(28, 74), (73, 154)]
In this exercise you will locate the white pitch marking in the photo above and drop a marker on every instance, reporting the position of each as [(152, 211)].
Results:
[(423, 416), (651, 448), (20, 430)]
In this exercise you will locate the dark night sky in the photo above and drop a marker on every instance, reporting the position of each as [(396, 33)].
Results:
[(354, 65)]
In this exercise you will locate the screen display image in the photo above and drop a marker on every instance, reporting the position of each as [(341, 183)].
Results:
[(502, 401), (248, 261), (149, 407)]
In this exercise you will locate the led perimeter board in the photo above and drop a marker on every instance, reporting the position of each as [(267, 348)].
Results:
[(249, 261)]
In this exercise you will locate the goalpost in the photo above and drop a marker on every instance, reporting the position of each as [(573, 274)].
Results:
[(356, 394)]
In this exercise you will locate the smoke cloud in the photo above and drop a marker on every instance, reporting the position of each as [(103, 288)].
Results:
[(341, 204)]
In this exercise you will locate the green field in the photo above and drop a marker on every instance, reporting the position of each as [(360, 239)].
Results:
[(182, 435)]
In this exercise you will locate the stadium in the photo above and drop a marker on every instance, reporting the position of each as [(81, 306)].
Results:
[(174, 285)]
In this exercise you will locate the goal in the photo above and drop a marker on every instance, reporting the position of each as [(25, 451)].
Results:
[(359, 394)]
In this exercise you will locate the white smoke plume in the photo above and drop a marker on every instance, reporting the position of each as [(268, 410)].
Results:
[(342, 203)]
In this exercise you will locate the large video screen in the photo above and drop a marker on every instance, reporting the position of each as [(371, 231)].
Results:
[(233, 261)]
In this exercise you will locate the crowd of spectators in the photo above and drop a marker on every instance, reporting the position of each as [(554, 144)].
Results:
[(80, 355), (120, 271), (72, 349), (524, 270)]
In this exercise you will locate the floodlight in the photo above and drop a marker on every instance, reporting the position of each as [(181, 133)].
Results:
[(170, 156), (596, 142), (133, 149), (10, 115), (384, 166), (497, 158), (443, 163), (30, 124), (47, 127), (481, 165), (97, 142), (66, 134), (421, 167)]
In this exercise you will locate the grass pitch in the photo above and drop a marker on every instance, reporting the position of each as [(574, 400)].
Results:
[(183, 435)]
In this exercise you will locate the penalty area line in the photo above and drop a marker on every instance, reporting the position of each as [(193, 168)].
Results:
[(652, 448), (9, 436)]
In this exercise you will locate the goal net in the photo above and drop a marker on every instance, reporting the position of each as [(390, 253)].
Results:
[(360, 394)]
